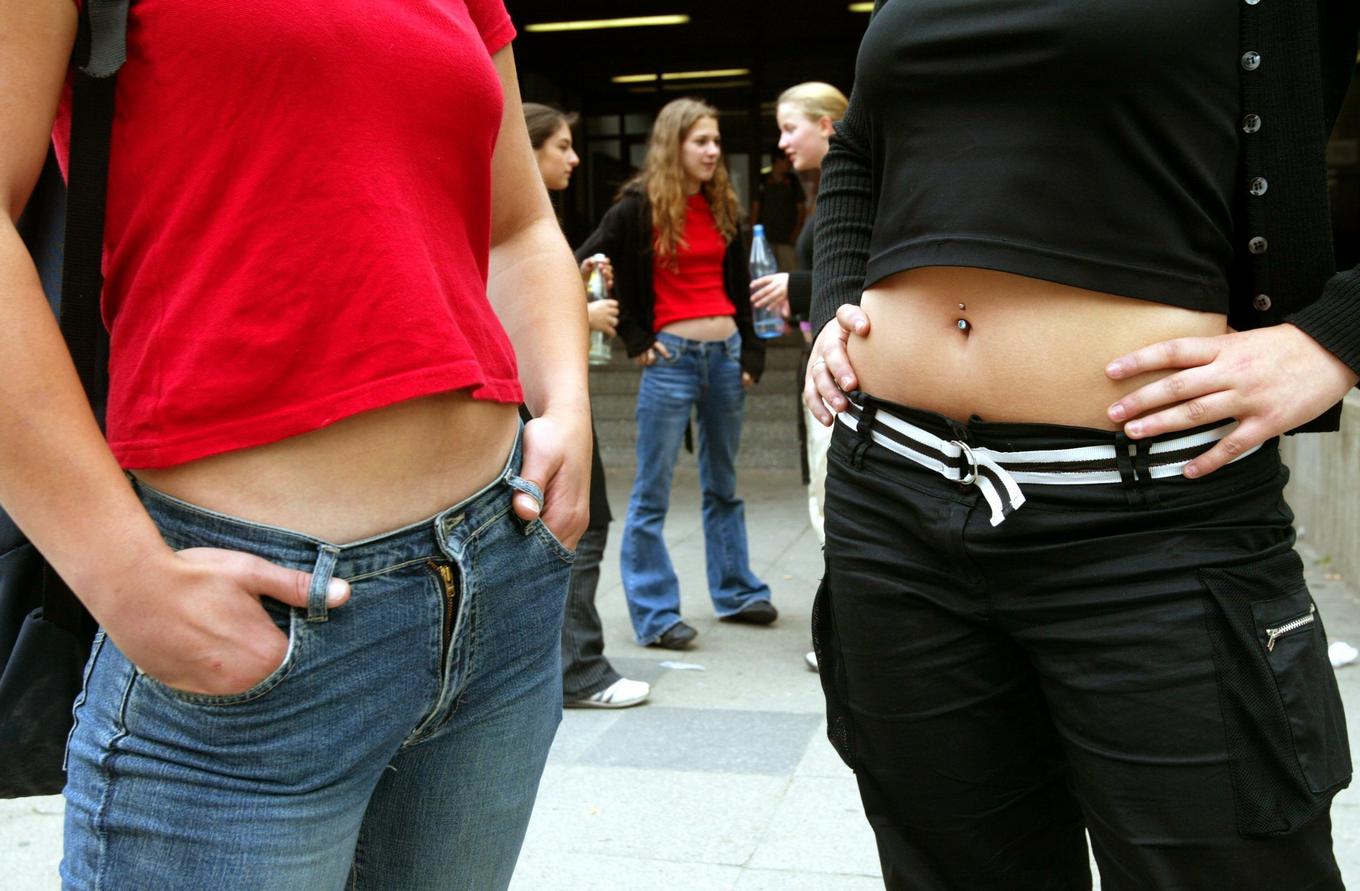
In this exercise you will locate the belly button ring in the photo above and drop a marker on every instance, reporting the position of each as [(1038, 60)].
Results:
[(962, 307), (963, 324)]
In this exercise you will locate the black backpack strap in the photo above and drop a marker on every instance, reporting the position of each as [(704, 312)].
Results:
[(101, 49)]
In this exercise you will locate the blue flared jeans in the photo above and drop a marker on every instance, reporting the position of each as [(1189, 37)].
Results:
[(398, 745), (703, 377)]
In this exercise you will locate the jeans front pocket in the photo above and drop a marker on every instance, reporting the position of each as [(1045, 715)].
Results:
[(554, 545), (732, 347), (286, 620), (1286, 732)]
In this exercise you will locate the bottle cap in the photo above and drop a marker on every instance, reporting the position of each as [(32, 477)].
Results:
[(758, 230)]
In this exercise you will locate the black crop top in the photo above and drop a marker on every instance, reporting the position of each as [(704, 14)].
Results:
[(1092, 144)]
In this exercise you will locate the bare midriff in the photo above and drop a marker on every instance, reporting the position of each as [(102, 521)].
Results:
[(705, 328), (359, 477), (966, 342)]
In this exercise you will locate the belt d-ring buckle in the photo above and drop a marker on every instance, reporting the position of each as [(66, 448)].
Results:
[(972, 464)]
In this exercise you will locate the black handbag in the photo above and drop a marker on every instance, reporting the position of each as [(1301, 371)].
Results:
[(45, 632)]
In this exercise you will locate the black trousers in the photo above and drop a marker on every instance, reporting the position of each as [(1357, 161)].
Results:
[(1098, 661), (585, 670)]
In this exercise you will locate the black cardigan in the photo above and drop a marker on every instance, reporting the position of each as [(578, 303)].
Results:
[(1297, 61), (800, 280), (625, 236)]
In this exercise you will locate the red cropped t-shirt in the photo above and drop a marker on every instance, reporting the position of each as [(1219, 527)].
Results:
[(690, 284), (299, 218)]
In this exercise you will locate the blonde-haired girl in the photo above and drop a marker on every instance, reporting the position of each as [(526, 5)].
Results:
[(685, 315)]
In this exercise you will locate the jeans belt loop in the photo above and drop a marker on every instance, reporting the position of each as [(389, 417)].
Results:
[(321, 580)]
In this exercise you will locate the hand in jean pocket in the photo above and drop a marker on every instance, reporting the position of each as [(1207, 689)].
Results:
[(194, 621)]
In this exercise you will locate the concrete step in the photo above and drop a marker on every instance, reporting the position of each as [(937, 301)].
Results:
[(765, 444), (770, 401), (770, 430)]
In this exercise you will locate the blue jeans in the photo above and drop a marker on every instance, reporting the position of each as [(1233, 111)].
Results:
[(399, 745), (705, 375)]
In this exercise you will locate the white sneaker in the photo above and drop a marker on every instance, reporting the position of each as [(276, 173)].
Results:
[(620, 694), (810, 660)]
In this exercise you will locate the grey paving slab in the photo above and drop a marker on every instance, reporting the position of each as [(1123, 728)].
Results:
[(704, 740), (704, 818), (30, 843), (638, 667), (738, 681), (580, 729), (821, 760), (785, 880), (1346, 836), (819, 828), (598, 872)]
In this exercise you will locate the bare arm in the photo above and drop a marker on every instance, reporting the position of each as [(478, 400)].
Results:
[(58, 480), (535, 287)]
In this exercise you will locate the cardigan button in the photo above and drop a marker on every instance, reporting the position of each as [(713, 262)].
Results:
[(1251, 123), (1257, 186), (1261, 303), (1251, 60), (1257, 245)]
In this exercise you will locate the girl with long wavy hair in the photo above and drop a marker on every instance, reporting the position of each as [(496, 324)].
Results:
[(685, 316)]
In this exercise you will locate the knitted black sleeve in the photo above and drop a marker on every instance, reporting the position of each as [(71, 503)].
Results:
[(1333, 320), (845, 218)]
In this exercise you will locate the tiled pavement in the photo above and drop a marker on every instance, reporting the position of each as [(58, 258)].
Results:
[(725, 781)]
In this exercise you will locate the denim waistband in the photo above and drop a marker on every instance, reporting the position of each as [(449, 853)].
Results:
[(684, 344), (180, 521)]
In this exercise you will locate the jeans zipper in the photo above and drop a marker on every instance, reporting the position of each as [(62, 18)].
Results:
[(1274, 634), (445, 573)]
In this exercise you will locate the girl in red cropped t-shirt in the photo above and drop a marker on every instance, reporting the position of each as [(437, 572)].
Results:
[(331, 594), (686, 316)]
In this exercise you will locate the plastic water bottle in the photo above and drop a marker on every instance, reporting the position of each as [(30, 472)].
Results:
[(768, 323), (601, 350)]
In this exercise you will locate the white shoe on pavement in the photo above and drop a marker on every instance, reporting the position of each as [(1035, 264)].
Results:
[(810, 660), (623, 693)]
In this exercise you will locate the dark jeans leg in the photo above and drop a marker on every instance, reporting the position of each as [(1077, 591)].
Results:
[(585, 670)]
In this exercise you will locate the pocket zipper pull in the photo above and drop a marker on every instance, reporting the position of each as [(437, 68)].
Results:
[(1274, 634)]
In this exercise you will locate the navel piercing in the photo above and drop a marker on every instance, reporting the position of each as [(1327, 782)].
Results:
[(963, 324), (962, 307)]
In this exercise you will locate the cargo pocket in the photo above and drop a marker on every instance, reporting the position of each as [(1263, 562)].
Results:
[(839, 729), (1285, 729)]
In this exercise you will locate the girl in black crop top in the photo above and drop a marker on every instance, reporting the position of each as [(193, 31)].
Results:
[(1032, 634)]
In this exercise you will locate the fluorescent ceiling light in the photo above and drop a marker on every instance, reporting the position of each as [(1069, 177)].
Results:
[(675, 88), (696, 75), (679, 75), (596, 24), (861, 7)]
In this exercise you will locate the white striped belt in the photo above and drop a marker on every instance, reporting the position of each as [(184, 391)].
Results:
[(998, 474)]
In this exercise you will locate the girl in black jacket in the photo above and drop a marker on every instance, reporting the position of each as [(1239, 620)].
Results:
[(685, 315)]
